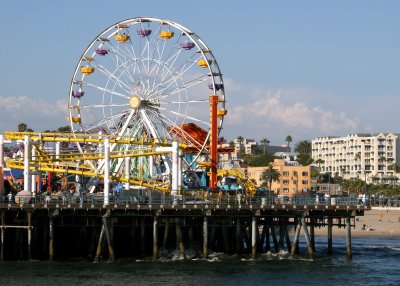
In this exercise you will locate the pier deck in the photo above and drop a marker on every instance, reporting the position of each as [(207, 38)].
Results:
[(140, 227)]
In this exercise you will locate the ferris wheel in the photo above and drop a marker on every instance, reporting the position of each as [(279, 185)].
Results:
[(147, 77)]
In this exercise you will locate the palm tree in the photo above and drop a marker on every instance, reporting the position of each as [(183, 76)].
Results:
[(288, 139), (394, 167), (303, 147), (270, 175), (240, 140), (264, 142), (319, 162)]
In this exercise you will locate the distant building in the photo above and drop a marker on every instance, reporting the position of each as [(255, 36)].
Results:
[(290, 158), (252, 147), (363, 156), (294, 180)]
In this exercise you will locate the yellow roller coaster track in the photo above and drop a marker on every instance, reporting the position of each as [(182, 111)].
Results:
[(89, 138), (68, 170), (45, 162)]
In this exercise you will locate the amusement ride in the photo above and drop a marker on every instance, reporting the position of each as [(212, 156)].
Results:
[(146, 105)]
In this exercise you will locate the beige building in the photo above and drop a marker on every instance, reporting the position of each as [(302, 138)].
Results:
[(294, 180), (364, 156)]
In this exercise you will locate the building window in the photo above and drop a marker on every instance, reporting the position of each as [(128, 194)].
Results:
[(286, 182), (304, 182), (304, 174), (286, 173), (286, 190)]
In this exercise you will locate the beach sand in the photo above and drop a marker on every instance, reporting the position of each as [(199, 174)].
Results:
[(384, 221)]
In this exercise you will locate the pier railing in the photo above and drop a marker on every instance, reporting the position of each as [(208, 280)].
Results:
[(162, 199)]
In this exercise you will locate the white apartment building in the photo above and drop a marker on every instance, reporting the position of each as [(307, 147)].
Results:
[(365, 156)]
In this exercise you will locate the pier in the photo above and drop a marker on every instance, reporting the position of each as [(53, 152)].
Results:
[(143, 227)]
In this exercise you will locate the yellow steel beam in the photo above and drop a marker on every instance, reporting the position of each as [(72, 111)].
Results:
[(67, 170), (84, 157), (87, 138)]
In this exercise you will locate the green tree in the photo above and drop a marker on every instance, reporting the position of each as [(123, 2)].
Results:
[(394, 167), (240, 140), (289, 140), (270, 175), (303, 147), (304, 159), (259, 160), (22, 127), (64, 129)]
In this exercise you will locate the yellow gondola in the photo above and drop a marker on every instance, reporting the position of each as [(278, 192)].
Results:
[(166, 35), (87, 70), (222, 112), (204, 63), (121, 38)]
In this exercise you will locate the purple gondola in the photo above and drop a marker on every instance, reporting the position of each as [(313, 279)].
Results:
[(101, 51), (143, 32), (187, 45), (78, 94), (218, 86)]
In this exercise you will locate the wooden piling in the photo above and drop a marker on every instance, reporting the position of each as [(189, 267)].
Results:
[(166, 232), (205, 237), (179, 238), (239, 238), (155, 238), (312, 233), (267, 238), (142, 236), (111, 255), (253, 237), (330, 219), (348, 237), (99, 245), (51, 236), (2, 236), (273, 234), (281, 234), (225, 235), (296, 238), (307, 237), (29, 218), (287, 237)]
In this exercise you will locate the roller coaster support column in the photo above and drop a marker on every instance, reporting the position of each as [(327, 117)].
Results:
[(106, 170), (179, 169), (1, 163), (58, 148), (213, 140), (175, 169), (33, 177), (127, 172), (27, 155)]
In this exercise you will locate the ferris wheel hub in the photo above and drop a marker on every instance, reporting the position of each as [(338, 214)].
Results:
[(134, 102)]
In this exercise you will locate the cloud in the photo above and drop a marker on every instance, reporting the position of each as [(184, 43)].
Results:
[(35, 112), (266, 110)]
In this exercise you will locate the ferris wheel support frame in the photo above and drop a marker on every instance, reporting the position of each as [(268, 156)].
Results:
[(1, 164), (26, 163), (213, 140)]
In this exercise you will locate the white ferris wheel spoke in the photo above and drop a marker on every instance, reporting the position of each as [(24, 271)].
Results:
[(107, 90)]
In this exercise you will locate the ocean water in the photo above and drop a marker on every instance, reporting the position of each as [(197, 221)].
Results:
[(376, 261)]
